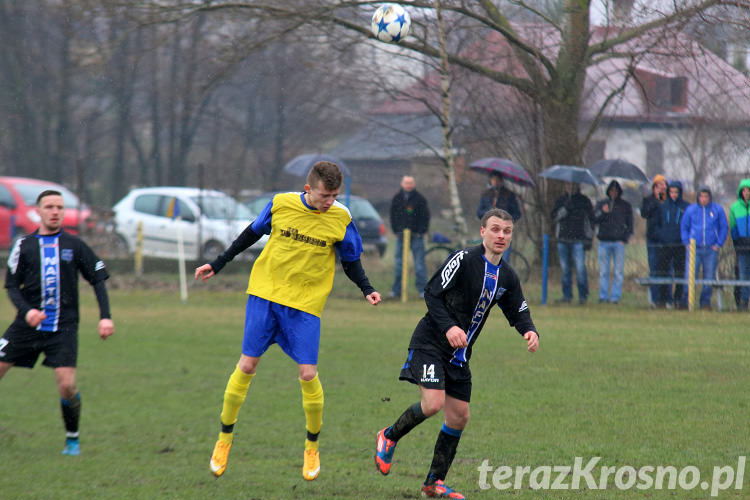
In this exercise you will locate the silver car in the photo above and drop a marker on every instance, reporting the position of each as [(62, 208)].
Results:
[(207, 219)]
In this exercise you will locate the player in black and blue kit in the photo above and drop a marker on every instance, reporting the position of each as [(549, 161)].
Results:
[(459, 298), (42, 283)]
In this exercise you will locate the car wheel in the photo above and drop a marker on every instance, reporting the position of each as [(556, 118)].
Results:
[(381, 250), (211, 250)]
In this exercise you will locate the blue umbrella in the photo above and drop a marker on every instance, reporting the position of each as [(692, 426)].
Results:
[(301, 165), (619, 168), (508, 169), (570, 173)]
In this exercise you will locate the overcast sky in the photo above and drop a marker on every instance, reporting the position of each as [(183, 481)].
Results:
[(647, 8)]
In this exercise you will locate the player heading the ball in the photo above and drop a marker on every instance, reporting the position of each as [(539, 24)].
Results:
[(289, 284)]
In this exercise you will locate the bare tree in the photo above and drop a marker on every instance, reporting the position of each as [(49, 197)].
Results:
[(546, 61), (36, 90)]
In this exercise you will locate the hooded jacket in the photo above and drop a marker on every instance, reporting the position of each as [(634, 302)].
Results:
[(617, 224), (669, 229), (706, 225), (739, 220)]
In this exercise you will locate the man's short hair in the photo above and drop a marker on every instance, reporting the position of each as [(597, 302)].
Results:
[(47, 192), (327, 172), (495, 212)]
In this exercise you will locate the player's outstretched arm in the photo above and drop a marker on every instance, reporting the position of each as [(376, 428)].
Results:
[(204, 272), (532, 340), (106, 327), (356, 273)]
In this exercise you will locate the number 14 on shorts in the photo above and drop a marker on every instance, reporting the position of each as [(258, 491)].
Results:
[(428, 373)]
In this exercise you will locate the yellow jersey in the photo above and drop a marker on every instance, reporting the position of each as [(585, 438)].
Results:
[(297, 264)]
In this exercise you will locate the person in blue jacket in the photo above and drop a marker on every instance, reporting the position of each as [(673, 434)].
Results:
[(706, 223), (670, 255)]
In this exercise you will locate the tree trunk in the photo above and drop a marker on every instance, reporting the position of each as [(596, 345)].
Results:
[(446, 122), (65, 144)]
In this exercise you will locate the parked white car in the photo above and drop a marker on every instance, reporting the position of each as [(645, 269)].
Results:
[(208, 219)]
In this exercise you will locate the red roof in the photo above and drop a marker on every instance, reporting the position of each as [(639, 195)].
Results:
[(673, 78)]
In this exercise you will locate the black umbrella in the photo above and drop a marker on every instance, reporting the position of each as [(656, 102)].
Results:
[(301, 165), (570, 173), (619, 168), (508, 169)]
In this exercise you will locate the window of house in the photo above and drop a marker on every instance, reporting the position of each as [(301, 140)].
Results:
[(654, 158), (662, 92)]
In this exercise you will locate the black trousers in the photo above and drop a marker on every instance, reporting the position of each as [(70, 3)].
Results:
[(670, 262)]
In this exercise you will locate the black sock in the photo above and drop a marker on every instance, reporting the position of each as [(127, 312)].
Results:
[(71, 413), (445, 451), (408, 420)]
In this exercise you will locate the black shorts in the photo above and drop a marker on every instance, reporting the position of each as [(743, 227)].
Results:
[(22, 345), (429, 370)]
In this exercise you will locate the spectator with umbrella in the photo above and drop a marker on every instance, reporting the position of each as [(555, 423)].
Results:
[(497, 195), (572, 215)]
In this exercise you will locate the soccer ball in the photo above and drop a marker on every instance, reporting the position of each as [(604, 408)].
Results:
[(390, 23)]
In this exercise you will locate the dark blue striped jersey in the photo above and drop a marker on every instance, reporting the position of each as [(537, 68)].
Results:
[(461, 293), (43, 274)]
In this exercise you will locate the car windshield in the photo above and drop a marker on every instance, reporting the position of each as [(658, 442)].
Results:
[(257, 205), (362, 209), (222, 207), (29, 192)]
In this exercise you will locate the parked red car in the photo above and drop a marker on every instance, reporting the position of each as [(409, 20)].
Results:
[(4, 227), (18, 195)]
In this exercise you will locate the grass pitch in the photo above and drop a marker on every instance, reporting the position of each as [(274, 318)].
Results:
[(632, 386)]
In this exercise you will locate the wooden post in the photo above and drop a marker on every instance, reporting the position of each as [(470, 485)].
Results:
[(181, 260), (139, 251), (691, 275)]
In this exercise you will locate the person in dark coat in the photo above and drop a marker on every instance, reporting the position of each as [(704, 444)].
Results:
[(615, 219), (409, 210), (671, 252), (650, 211), (572, 215), (498, 196)]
